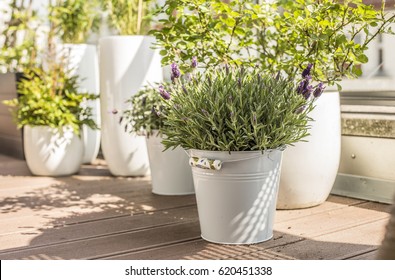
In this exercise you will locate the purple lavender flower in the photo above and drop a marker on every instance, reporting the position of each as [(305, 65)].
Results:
[(175, 72), (194, 63), (227, 69), (307, 92), (304, 88), (165, 94), (318, 90), (306, 71), (239, 82)]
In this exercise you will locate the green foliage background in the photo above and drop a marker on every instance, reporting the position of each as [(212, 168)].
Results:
[(282, 35)]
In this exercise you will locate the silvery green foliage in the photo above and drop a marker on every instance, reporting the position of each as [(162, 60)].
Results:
[(145, 112), (235, 109)]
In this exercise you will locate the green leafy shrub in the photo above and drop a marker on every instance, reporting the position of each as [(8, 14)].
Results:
[(51, 99), (75, 20), (144, 113), (128, 17), (236, 109), (18, 38), (278, 35)]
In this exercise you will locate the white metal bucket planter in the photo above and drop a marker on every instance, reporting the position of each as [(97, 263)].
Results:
[(236, 197), (170, 172), (50, 152)]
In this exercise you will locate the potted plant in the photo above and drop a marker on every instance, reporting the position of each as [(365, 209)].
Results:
[(75, 21), (170, 172), (51, 113), (235, 123), (282, 35), (18, 51), (127, 63)]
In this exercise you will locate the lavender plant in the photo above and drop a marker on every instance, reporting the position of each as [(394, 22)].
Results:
[(237, 109), (145, 111)]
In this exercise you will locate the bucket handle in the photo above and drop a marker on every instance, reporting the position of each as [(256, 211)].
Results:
[(216, 164)]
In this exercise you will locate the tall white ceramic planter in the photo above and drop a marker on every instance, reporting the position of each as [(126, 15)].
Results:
[(83, 61), (237, 203), (127, 63), (309, 168), (50, 152), (170, 171)]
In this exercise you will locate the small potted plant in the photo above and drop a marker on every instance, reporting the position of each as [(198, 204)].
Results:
[(235, 124), (283, 35), (74, 22), (170, 172), (51, 114), (127, 63)]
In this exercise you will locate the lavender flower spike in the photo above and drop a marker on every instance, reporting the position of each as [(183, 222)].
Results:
[(175, 72), (165, 94), (319, 90), (306, 72), (194, 62)]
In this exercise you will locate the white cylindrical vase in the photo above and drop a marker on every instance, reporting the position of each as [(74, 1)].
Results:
[(127, 63), (310, 168), (170, 171), (83, 61), (52, 152)]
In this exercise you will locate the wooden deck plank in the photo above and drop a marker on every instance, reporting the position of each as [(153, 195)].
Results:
[(334, 220), (343, 244), (201, 249), (332, 203), (366, 256), (101, 247), (31, 237), (79, 201)]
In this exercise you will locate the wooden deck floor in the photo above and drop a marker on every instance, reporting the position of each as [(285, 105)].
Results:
[(93, 215)]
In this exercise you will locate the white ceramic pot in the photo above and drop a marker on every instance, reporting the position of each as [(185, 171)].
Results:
[(83, 61), (309, 168), (127, 63), (237, 203), (170, 171), (50, 152)]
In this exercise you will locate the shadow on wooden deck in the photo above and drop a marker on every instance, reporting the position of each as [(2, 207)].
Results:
[(93, 215)]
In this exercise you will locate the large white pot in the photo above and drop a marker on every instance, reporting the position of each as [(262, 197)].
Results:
[(309, 168), (83, 61), (236, 204), (170, 171), (50, 152), (127, 63)]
